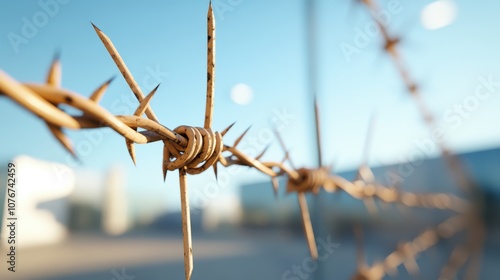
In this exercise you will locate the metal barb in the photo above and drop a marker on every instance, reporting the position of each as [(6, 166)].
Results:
[(63, 139), (54, 77), (209, 108), (227, 129), (143, 106), (308, 229), (238, 140), (215, 172), (113, 52), (263, 152), (99, 92), (186, 225)]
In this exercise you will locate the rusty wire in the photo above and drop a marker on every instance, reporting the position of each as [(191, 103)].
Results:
[(390, 47), (193, 150), (474, 223), (407, 252)]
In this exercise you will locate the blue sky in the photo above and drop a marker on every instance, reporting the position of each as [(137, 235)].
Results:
[(262, 44)]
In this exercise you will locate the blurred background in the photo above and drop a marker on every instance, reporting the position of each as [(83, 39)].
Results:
[(104, 218)]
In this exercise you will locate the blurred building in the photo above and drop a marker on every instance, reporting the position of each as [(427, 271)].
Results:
[(52, 199), (261, 209), (40, 204)]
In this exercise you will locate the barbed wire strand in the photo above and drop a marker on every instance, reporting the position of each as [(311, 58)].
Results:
[(407, 252), (458, 171), (192, 150)]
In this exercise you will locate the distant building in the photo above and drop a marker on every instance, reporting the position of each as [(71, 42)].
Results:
[(39, 206), (261, 209), (114, 205)]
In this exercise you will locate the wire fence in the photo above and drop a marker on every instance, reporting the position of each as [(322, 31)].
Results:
[(193, 150)]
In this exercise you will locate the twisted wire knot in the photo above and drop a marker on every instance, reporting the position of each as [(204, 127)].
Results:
[(202, 151), (309, 180)]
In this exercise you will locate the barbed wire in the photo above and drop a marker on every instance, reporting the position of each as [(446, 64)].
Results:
[(193, 150), (473, 220), (407, 252)]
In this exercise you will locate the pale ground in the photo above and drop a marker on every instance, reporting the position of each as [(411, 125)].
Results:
[(243, 256)]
